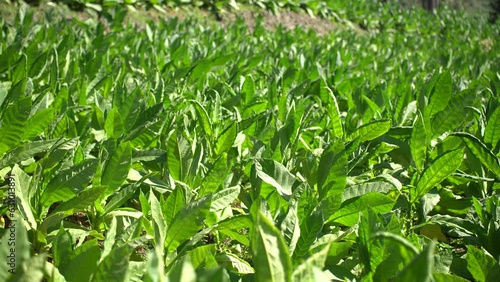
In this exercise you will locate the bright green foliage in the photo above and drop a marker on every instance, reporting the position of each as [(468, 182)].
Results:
[(177, 150)]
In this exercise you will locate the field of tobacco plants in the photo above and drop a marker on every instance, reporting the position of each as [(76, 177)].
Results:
[(181, 150)]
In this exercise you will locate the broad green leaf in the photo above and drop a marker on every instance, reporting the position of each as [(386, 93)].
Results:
[(114, 267), (155, 266), (479, 263), (290, 227), (62, 246), (203, 118), (492, 131), (443, 166), (348, 214), (13, 261), (174, 203), (224, 198), (82, 201), (371, 130), (153, 155), (420, 268), (114, 124), (182, 271), (309, 230), (485, 155), (13, 125), (68, 183), (179, 157), (215, 176), (452, 116), (187, 222), (21, 182), (38, 122), (109, 241), (269, 252), (234, 263), (446, 277), (233, 226), (38, 66), (332, 172), (441, 95), (202, 253), (276, 175), (117, 168), (129, 106), (226, 139), (83, 260), (33, 268), (304, 272), (159, 223), (121, 196), (334, 114), (85, 199), (419, 142), (361, 189)]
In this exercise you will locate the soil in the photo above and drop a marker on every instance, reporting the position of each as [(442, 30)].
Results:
[(287, 19)]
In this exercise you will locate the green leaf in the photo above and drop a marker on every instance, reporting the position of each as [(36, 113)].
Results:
[(153, 155), (117, 168), (361, 189), (114, 124), (26, 151), (305, 271), (22, 187), (371, 130), (224, 198), (215, 176), (13, 261), (420, 268), (83, 260), (202, 253), (452, 116), (78, 203), (232, 227), (38, 122), (226, 139), (187, 222), (443, 166), (485, 155), (479, 263), (334, 114), (159, 223), (290, 227), (419, 142), (13, 124), (492, 131), (333, 173), (309, 230), (114, 267), (234, 264), (182, 271), (441, 95), (269, 252), (179, 157), (62, 246), (68, 183), (276, 175), (174, 203), (348, 214), (203, 118)]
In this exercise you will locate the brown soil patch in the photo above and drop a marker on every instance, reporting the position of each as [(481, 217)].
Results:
[(139, 16), (288, 20)]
